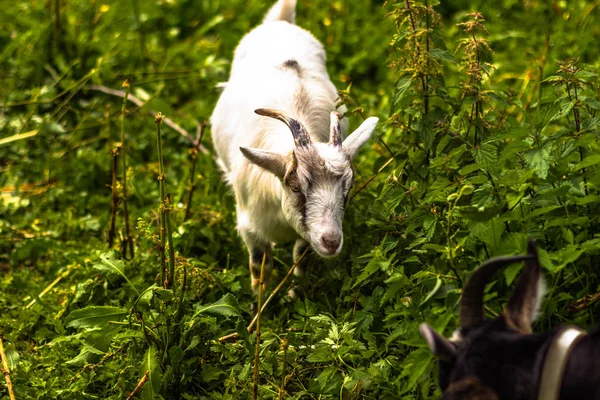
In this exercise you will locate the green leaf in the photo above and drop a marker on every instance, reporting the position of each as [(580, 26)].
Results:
[(102, 338), (442, 55), (584, 75), (569, 254), (486, 155), (565, 108), (95, 316), (152, 366), (111, 264), (590, 160), (86, 355), (590, 102), (429, 224), (12, 356), (211, 373), (438, 285), (321, 354), (511, 271), (539, 161), (226, 306), (375, 264), (541, 211), (402, 89), (415, 365)]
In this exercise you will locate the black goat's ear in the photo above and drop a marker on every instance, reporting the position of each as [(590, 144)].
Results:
[(524, 303), (439, 345)]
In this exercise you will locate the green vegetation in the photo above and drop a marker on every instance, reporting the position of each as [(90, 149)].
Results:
[(489, 135)]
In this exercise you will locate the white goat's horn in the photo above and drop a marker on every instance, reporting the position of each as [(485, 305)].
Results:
[(335, 130), (301, 137)]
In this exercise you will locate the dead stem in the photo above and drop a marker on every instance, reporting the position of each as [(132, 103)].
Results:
[(114, 197), (51, 285), (257, 348), (284, 346), (364, 185), (140, 385), (167, 209), (128, 237), (235, 335), (167, 121), (6, 371), (165, 281)]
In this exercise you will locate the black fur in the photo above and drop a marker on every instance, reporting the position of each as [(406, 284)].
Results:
[(510, 364), (293, 64)]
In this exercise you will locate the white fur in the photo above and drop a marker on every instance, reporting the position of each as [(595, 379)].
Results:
[(260, 78)]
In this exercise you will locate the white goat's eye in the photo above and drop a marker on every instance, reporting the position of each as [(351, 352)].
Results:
[(293, 183)]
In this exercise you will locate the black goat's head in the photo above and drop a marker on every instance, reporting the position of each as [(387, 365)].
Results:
[(491, 359)]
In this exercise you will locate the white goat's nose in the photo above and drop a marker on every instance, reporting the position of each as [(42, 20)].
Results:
[(331, 241)]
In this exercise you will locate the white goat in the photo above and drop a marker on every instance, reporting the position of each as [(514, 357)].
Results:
[(287, 187)]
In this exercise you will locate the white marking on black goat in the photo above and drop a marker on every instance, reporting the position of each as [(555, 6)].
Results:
[(290, 177)]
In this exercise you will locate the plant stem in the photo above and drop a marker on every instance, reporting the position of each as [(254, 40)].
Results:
[(119, 93), (257, 348), (577, 117), (426, 78), (451, 246), (179, 312), (128, 238), (165, 281), (51, 285), (167, 209), (6, 371), (418, 54), (284, 345), (136, 15), (285, 278), (140, 385), (115, 197), (188, 206)]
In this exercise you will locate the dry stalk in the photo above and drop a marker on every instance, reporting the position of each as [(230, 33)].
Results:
[(128, 237), (115, 197), (50, 286), (6, 371), (235, 335), (140, 385), (167, 121), (194, 158), (364, 185), (167, 207), (257, 348), (165, 281), (284, 345)]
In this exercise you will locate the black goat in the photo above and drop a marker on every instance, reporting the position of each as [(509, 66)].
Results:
[(501, 359)]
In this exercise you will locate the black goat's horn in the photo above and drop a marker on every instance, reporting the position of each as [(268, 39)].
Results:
[(522, 306), (335, 130), (471, 302), (299, 132)]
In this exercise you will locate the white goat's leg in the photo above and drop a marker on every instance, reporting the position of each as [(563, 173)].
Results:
[(257, 249), (300, 271), (299, 248)]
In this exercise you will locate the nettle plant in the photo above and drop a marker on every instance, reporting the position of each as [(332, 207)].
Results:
[(482, 171)]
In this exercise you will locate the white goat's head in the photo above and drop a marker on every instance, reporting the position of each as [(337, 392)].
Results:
[(316, 179)]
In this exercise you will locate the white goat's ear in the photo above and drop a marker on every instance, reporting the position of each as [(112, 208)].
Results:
[(440, 346), (359, 137), (272, 162)]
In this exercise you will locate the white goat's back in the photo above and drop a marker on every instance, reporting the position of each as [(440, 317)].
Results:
[(277, 65)]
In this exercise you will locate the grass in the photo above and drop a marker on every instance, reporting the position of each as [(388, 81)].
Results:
[(489, 136)]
